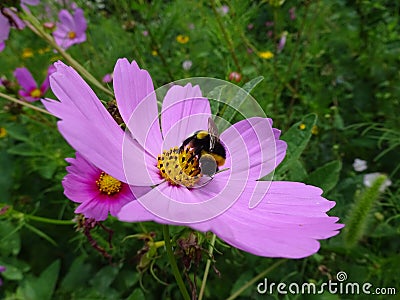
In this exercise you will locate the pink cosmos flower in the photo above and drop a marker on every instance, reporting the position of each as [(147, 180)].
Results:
[(9, 18), (290, 217), (30, 90), (98, 192), (71, 29)]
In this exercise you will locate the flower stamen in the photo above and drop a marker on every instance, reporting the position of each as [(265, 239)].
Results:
[(179, 167), (36, 93), (108, 184), (71, 35)]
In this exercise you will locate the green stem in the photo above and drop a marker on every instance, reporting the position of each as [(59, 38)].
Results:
[(255, 279), (49, 221), (207, 269), (174, 266), (227, 38), (34, 25), (12, 99)]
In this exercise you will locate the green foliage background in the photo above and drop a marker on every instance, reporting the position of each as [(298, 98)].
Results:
[(338, 74)]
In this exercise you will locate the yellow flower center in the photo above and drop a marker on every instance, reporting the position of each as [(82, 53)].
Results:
[(71, 35), (108, 184), (36, 93), (179, 167), (182, 39), (3, 132), (302, 126)]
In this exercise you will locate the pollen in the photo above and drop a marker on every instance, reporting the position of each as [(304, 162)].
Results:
[(71, 35), (179, 167), (36, 93), (108, 184)]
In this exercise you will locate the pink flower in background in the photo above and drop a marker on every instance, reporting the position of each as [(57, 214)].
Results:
[(282, 42), (223, 10), (9, 18), (71, 29), (292, 13), (107, 78), (98, 192), (187, 65), (30, 90), (269, 23)]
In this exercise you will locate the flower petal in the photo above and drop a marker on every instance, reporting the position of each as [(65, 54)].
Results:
[(182, 102), (287, 223), (67, 19), (25, 79), (80, 25), (136, 100), (86, 124), (262, 151), (4, 28)]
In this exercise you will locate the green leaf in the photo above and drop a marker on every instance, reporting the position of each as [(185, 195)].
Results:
[(242, 280), (78, 272), (42, 287), (137, 294), (41, 234), (18, 132), (6, 179), (327, 176), (24, 150), (297, 140), (10, 241), (103, 279)]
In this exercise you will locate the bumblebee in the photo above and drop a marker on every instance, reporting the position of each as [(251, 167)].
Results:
[(206, 148)]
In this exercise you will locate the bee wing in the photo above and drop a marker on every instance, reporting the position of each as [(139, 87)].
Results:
[(214, 134)]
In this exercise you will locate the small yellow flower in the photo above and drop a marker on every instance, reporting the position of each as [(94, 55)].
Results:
[(266, 54), (3, 132), (302, 126), (154, 53), (315, 130), (182, 39), (27, 53)]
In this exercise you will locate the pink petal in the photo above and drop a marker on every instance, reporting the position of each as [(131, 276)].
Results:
[(179, 205), (86, 124), (137, 104), (139, 166), (182, 102), (66, 19), (253, 146), (80, 22), (25, 79), (278, 227), (95, 208), (4, 28)]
